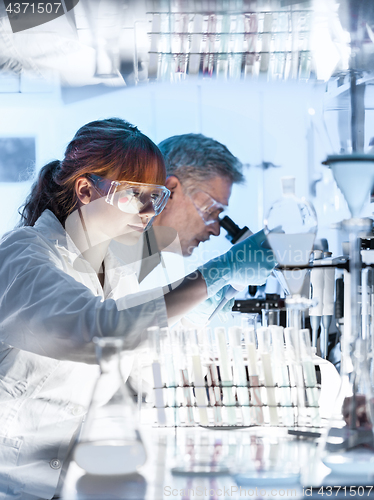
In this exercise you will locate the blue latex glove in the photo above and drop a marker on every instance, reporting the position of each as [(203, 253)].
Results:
[(201, 313), (249, 262)]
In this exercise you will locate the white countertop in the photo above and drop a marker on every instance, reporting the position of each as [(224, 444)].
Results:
[(264, 458)]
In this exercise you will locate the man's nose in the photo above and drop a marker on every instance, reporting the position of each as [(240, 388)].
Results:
[(214, 228)]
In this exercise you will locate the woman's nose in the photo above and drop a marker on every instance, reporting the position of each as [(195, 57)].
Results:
[(147, 211)]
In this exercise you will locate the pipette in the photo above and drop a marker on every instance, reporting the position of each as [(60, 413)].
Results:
[(231, 291)]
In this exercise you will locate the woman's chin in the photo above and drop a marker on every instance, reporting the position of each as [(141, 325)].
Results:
[(129, 238)]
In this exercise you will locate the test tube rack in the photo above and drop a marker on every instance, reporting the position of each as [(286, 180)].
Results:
[(200, 393), (230, 44)]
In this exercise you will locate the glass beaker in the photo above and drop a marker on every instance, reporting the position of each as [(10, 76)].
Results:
[(110, 443), (270, 317)]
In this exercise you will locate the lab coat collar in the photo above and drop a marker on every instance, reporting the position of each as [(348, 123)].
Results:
[(51, 227), (115, 268)]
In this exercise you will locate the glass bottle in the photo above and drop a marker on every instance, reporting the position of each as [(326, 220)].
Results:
[(110, 443)]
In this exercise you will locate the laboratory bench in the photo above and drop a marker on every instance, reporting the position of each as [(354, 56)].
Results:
[(195, 462)]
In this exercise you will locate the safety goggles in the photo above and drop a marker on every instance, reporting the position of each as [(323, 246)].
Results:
[(131, 197), (207, 207)]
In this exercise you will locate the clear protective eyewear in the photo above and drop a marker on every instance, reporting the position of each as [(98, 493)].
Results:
[(207, 207), (131, 197)]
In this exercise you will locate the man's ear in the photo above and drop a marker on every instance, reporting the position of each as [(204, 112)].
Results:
[(173, 184)]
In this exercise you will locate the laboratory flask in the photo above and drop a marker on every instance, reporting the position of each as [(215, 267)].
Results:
[(110, 442), (291, 227)]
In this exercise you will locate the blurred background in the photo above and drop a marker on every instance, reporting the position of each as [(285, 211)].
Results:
[(267, 78)]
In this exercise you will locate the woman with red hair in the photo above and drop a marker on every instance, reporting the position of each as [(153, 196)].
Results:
[(61, 286)]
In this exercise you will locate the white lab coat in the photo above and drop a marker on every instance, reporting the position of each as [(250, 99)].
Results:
[(51, 306)]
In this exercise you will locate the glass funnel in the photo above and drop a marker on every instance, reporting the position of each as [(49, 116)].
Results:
[(348, 120), (110, 443), (291, 227)]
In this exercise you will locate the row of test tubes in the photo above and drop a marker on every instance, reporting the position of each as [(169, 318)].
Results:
[(240, 377), (234, 46)]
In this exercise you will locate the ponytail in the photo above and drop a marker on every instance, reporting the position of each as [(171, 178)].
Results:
[(42, 196)]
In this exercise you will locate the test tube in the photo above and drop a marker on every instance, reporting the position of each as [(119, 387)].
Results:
[(264, 348), (251, 30), (316, 292), (226, 376), (153, 51), (277, 336), (257, 415), (327, 305), (208, 58), (195, 47), (184, 375), (237, 57), (222, 59), (240, 378), (200, 390), (266, 42), (281, 36), (309, 376), (305, 53), (214, 389), (154, 336), (295, 45), (170, 372), (292, 339), (181, 31)]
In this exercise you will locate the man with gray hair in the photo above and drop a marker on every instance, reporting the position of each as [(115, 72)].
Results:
[(200, 175)]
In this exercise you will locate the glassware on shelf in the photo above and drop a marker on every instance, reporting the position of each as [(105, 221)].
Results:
[(209, 48), (224, 42), (195, 46), (110, 442), (234, 42)]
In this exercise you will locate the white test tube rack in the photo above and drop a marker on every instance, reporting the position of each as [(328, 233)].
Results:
[(210, 399)]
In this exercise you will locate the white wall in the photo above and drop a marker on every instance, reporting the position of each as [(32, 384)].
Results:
[(257, 121)]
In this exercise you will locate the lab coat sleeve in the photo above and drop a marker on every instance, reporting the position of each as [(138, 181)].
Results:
[(46, 311)]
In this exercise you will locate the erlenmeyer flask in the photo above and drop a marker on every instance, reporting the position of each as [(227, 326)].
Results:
[(110, 443)]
